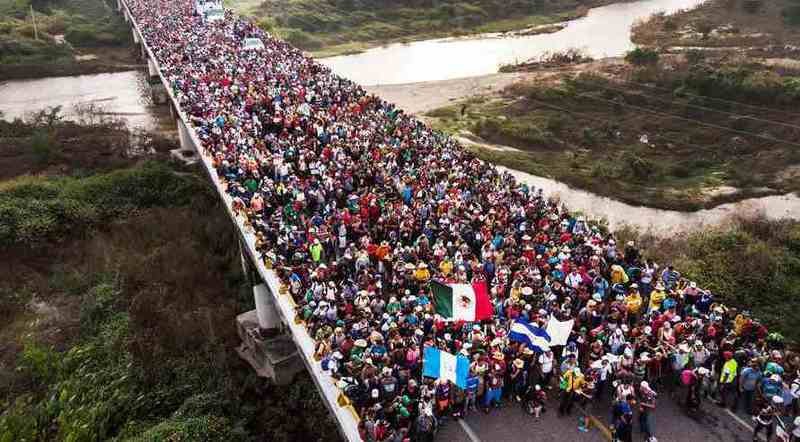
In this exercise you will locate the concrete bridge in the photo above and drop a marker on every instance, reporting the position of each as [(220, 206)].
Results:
[(276, 344)]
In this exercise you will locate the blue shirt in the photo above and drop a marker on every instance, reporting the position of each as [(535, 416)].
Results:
[(750, 378)]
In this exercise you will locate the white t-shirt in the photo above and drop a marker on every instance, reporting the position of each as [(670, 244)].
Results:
[(546, 362)]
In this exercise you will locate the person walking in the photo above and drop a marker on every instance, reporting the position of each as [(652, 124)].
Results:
[(571, 381), (748, 382), (766, 418), (647, 405), (727, 386), (623, 419)]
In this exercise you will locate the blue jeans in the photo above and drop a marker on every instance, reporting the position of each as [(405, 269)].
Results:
[(492, 395)]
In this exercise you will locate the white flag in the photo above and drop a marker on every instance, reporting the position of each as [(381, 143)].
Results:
[(559, 330)]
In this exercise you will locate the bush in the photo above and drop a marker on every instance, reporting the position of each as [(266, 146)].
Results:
[(34, 210), (741, 84), (41, 145), (92, 36), (642, 57)]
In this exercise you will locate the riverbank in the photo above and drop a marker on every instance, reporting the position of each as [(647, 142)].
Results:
[(752, 26), (335, 28), (92, 61), (71, 37), (644, 136)]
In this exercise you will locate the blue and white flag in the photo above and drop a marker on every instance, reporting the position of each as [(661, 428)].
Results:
[(443, 365), (534, 337)]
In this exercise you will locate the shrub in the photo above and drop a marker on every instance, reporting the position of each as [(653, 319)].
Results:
[(92, 36), (642, 57), (41, 145), (33, 212)]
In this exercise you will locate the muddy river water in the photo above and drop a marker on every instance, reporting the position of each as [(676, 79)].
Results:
[(119, 94), (605, 31)]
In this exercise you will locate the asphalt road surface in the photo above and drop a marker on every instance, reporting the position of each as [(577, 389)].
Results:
[(670, 424)]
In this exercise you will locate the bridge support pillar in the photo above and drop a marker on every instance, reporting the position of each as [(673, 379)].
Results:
[(266, 311), (119, 5), (188, 151), (270, 352), (135, 36), (143, 51), (125, 14), (158, 93)]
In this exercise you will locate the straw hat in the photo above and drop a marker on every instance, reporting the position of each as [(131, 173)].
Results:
[(498, 355)]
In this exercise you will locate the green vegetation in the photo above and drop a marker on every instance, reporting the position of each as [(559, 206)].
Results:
[(44, 209), (339, 26), (753, 264), (84, 25), (791, 13), (118, 296), (751, 25), (662, 139), (642, 57)]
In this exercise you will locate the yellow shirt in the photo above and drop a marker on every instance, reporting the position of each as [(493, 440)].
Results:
[(656, 298), (422, 274), (618, 275), (571, 381), (446, 267), (634, 302)]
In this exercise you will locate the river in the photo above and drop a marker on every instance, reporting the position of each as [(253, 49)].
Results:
[(603, 32), (658, 221), (120, 94)]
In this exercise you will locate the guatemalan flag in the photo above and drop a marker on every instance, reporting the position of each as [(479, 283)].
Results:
[(443, 365), (534, 337), (465, 302)]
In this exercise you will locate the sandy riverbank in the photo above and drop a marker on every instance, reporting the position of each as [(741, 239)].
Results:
[(418, 98), (421, 97)]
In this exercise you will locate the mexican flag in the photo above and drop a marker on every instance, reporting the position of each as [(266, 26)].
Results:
[(466, 302)]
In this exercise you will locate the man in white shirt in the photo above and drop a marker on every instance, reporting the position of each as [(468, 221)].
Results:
[(546, 364)]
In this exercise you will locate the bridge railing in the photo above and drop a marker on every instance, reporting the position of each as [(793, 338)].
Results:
[(344, 413)]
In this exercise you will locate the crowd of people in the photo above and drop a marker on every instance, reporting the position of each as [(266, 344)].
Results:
[(359, 206)]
